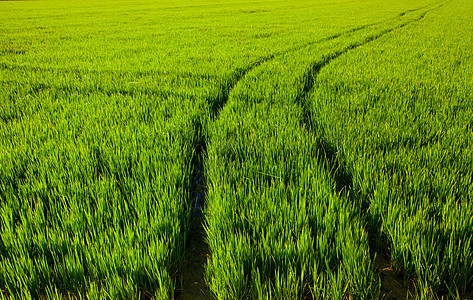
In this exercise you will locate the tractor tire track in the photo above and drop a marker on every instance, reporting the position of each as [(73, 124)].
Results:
[(192, 275), (228, 84), (390, 284), (341, 175)]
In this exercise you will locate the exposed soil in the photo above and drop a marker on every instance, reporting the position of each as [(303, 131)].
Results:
[(467, 296), (392, 286), (193, 269), (193, 284)]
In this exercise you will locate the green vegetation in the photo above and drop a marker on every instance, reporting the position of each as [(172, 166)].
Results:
[(399, 112), (331, 133)]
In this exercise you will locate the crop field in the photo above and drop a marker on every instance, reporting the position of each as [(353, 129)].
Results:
[(300, 149)]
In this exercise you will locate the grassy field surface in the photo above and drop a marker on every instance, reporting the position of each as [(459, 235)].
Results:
[(326, 136)]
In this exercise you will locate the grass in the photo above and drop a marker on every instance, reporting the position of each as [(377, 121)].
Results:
[(331, 130), (416, 173)]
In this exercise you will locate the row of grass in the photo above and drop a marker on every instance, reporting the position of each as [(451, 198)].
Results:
[(398, 111), (95, 156), (94, 193), (288, 233)]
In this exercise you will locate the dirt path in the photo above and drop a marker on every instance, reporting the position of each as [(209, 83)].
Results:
[(193, 284), (392, 287)]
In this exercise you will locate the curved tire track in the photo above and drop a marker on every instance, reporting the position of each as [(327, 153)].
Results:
[(228, 84), (335, 166), (341, 175), (197, 237)]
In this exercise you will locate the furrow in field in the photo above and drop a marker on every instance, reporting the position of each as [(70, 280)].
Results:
[(252, 173), (229, 83), (391, 285), (311, 74), (397, 112), (269, 210), (354, 30), (226, 86), (192, 285), (192, 273), (341, 175)]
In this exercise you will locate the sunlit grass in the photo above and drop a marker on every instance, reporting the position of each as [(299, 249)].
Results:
[(103, 105)]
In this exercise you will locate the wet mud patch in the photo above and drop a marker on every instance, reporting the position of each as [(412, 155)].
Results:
[(392, 286), (192, 274), (193, 268)]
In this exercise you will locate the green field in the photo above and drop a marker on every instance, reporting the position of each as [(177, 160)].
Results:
[(317, 149)]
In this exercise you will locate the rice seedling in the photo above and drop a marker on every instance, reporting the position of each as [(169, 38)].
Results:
[(321, 125)]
